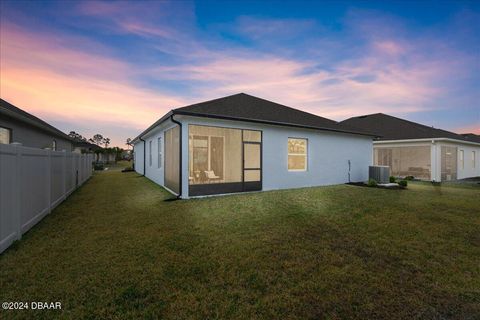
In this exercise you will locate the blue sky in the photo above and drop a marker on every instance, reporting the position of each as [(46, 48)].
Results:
[(115, 67)]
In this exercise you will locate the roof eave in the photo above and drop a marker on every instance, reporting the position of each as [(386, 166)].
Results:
[(425, 140), (150, 128), (203, 115), (21, 118)]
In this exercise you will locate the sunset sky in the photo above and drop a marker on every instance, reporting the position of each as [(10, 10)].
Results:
[(116, 67)]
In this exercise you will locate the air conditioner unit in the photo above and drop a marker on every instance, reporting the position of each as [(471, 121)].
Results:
[(381, 174)]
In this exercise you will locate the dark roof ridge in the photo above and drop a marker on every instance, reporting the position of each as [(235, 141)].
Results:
[(251, 96)]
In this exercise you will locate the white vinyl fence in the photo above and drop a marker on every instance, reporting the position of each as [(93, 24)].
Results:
[(32, 183)]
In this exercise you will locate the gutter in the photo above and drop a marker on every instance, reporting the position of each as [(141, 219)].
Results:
[(144, 154), (180, 156), (426, 140)]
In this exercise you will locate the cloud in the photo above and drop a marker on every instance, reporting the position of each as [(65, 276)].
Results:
[(45, 77), (373, 63)]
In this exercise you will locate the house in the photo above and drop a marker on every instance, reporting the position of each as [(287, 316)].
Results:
[(243, 143), (19, 126), (413, 149), (82, 146), (471, 137)]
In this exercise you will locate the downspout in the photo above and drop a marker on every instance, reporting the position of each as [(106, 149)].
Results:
[(144, 154), (180, 150)]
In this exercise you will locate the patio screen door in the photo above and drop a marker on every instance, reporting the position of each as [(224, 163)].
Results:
[(252, 166)]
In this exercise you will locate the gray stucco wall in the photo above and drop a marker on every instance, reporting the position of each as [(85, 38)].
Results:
[(30, 136)]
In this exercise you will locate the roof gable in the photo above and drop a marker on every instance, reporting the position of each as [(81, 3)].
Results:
[(249, 108)]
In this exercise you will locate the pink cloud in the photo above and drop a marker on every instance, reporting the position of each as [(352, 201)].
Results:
[(42, 76), (474, 128)]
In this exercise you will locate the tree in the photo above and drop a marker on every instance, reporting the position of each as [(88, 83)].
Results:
[(97, 139), (129, 142), (106, 142), (76, 136)]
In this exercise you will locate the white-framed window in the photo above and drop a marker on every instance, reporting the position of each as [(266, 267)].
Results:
[(462, 160), (297, 154), (159, 150), (473, 159), (150, 153), (54, 144), (5, 135)]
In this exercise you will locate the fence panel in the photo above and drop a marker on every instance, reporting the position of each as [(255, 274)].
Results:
[(32, 183)]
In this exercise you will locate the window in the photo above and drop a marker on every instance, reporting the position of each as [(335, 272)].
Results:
[(159, 146), (462, 160), (171, 141), (215, 155), (5, 135), (405, 161), (54, 145), (150, 153), (223, 160), (473, 159), (297, 154), (448, 163)]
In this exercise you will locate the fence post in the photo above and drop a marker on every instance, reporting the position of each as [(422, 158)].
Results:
[(64, 174), (18, 189), (49, 179)]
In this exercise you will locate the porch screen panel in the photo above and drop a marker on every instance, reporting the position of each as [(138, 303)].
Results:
[(215, 155), (172, 159), (405, 161), (448, 163)]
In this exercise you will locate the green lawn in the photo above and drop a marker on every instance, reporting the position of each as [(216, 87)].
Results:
[(116, 249)]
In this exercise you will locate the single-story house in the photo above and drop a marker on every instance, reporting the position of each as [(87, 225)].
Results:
[(243, 143), (413, 149), (471, 137), (19, 126), (81, 146)]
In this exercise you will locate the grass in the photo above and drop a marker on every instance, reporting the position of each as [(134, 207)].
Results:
[(116, 249)]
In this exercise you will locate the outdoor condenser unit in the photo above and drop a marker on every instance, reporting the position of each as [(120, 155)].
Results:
[(381, 174)]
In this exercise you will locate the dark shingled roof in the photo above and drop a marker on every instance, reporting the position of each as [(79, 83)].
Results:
[(10, 110), (393, 128), (471, 137), (244, 107)]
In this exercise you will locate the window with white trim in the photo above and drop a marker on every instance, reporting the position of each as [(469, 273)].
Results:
[(462, 160), (5, 135), (297, 154), (150, 153), (159, 150)]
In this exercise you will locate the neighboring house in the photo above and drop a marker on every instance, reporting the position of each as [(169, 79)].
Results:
[(17, 125), (413, 149), (243, 143), (471, 137), (100, 154), (85, 147)]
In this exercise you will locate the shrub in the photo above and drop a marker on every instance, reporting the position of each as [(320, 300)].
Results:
[(403, 183), (98, 166), (409, 177), (372, 183), (392, 179)]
